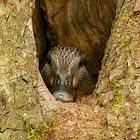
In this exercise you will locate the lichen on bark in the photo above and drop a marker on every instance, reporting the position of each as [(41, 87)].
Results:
[(111, 113), (118, 85), (18, 70)]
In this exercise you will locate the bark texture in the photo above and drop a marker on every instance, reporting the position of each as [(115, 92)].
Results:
[(20, 112), (113, 110), (118, 86)]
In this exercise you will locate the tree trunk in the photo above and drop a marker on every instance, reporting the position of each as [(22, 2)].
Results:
[(20, 112), (79, 23), (112, 112), (118, 86)]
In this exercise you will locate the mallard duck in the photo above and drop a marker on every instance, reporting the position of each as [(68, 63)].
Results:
[(64, 73)]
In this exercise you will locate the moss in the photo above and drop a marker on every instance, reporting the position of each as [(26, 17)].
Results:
[(117, 100), (39, 133), (138, 135), (125, 43), (127, 14), (118, 96), (101, 99), (43, 131)]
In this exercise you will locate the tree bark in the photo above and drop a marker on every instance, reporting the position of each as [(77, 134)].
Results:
[(113, 110), (118, 86), (28, 111), (20, 111)]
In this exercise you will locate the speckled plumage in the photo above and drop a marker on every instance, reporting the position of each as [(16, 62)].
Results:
[(65, 57), (66, 60)]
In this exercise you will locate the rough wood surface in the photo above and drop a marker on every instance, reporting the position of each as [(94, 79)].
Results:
[(113, 114), (39, 30), (84, 24), (118, 87), (19, 107)]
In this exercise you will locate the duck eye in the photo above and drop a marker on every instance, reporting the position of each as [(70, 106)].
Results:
[(57, 81), (67, 82), (82, 63)]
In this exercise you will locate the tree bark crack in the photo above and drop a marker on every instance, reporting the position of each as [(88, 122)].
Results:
[(12, 129)]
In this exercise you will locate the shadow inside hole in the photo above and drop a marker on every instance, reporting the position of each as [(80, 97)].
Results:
[(46, 37)]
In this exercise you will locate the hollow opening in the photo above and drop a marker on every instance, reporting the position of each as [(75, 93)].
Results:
[(80, 24)]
